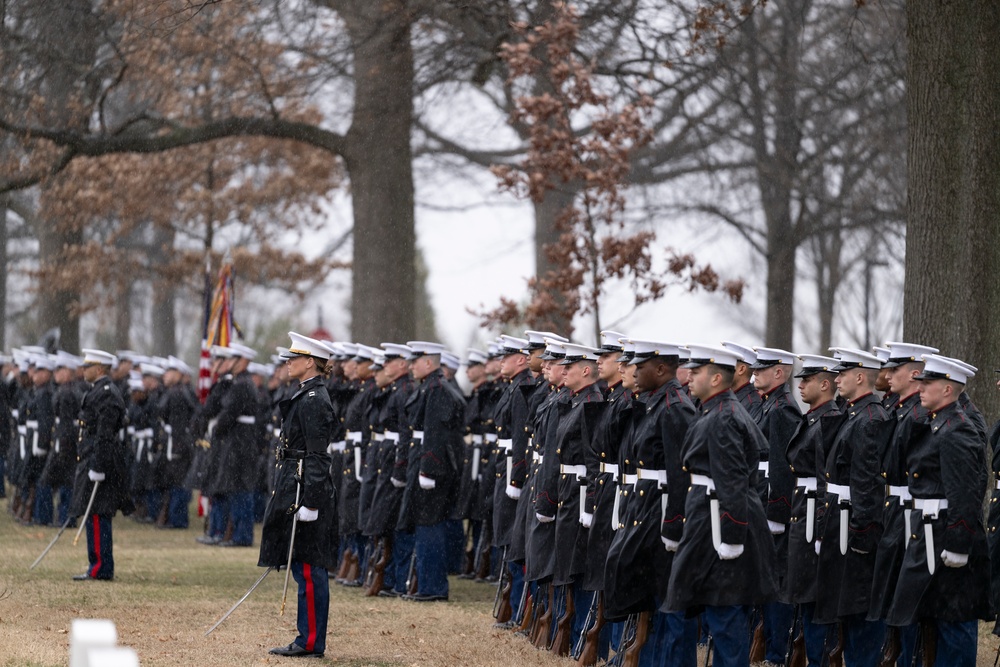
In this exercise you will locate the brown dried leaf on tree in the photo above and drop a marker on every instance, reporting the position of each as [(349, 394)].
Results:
[(580, 142)]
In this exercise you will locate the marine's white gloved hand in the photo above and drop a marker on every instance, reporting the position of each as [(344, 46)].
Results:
[(587, 519), (818, 544), (513, 492), (730, 551), (305, 514), (398, 483), (544, 519), (952, 559), (329, 448), (95, 476), (671, 545), (776, 528), (426, 483)]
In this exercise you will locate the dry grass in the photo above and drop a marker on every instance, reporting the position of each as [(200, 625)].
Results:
[(169, 590)]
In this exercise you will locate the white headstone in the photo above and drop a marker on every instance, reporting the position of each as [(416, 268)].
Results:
[(86, 633), (120, 656)]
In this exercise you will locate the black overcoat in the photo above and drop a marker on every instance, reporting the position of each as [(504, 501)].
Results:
[(102, 449)]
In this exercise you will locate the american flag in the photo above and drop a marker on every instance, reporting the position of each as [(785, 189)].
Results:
[(218, 323)]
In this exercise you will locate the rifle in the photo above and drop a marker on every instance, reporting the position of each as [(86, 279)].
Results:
[(518, 615), (626, 640), (560, 645), (373, 555), (525, 610), (411, 577), (353, 568), (469, 566), (378, 568), (757, 644), (501, 601), (641, 635), (543, 629), (836, 654), (927, 642), (482, 556), (795, 648), (892, 648), (589, 654)]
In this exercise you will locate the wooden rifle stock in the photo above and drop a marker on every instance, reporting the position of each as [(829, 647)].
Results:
[(928, 642), (798, 658), (528, 612), (590, 655), (544, 628), (560, 646), (892, 648), (411, 580), (378, 568), (469, 566), (836, 654), (757, 646), (353, 567), (505, 612), (641, 635)]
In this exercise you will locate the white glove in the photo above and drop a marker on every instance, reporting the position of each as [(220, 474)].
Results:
[(587, 519), (305, 514), (426, 483), (818, 543), (95, 476), (730, 551), (671, 545), (544, 519), (398, 483), (513, 492), (952, 559), (329, 448), (776, 528)]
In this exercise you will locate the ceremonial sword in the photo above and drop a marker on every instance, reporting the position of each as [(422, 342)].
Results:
[(291, 541), (52, 543), (83, 519)]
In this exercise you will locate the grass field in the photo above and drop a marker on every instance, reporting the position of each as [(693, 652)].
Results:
[(169, 590)]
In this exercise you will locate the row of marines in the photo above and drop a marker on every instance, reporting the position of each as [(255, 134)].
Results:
[(645, 494)]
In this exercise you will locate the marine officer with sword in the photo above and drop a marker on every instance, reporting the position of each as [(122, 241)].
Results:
[(300, 519)]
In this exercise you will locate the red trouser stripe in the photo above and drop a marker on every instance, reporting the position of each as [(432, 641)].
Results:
[(310, 606), (97, 547)]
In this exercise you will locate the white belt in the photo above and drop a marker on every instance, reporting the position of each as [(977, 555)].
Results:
[(611, 468), (998, 483), (246, 419), (630, 479), (808, 483), (339, 446), (842, 491), (706, 481), (576, 471), (477, 439), (22, 429), (32, 424), (169, 430), (655, 475), (145, 433), (763, 467), (930, 507), (418, 435), (130, 430), (15, 413), (379, 437), (392, 435), (57, 421), (490, 437), (506, 444), (354, 436), (537, 458), (903, 492)]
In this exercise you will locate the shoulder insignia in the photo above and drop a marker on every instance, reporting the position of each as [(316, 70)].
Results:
[(312, 393)]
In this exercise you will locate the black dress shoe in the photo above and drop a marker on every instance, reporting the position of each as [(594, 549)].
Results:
[(425, 597), (207, 539), (293, 650), (81, 577), (388, 593)]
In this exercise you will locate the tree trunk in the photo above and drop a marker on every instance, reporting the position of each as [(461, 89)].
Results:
[(57, 305), (379, 159), (546, 232), (123, 317), (3, 276), (953, 199)]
